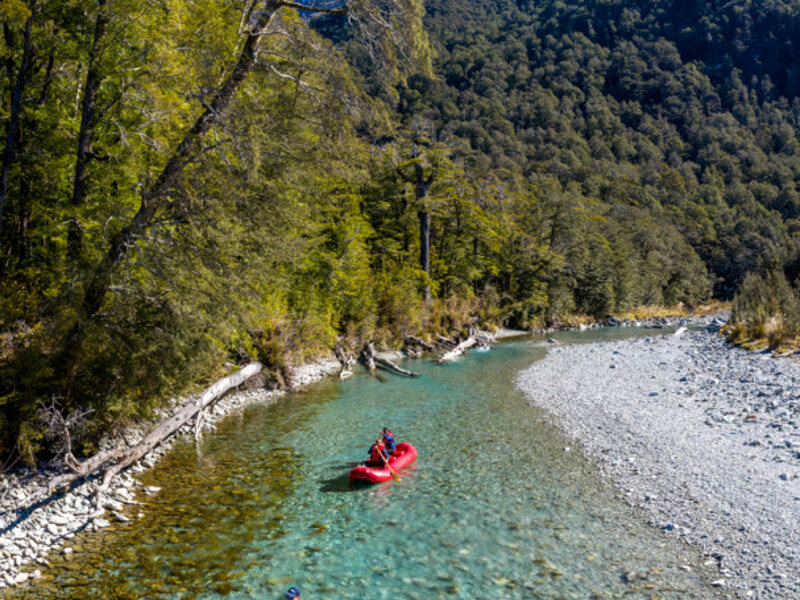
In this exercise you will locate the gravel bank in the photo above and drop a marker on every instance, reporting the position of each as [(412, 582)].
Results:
[(704, 437), (33, 524)]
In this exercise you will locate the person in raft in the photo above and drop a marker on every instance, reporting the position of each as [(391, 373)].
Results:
[(377, 454), (292, 593), (388, 441)]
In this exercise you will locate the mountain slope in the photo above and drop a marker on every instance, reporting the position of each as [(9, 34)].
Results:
[(685, 109)]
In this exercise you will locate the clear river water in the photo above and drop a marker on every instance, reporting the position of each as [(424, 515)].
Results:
[(494, 508)]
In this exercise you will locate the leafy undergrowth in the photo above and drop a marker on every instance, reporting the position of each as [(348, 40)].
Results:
[(766, 314)]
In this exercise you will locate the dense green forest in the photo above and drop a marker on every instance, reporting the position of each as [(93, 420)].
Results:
[(188, 185)]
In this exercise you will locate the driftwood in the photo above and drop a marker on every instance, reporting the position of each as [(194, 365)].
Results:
[(123, 458), (446, 342), (412, 341), (368, 356), (388, 364), (345, 359), (372, 360), (470, 342), (198, 424)]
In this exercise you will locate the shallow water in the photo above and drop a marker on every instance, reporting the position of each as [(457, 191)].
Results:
[(493, 508)]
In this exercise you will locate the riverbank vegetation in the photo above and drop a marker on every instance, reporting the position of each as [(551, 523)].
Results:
[(766, 313), (190, 185)]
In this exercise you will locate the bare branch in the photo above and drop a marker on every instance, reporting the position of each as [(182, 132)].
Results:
[(317, 7), (297, 80)]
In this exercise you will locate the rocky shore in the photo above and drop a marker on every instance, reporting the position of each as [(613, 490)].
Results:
[(705, 438), (33, 523)]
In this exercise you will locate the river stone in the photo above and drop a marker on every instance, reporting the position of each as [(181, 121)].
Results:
[(633, 576), (112, 504)]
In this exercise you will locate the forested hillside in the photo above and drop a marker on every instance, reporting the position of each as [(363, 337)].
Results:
[(187, 185), (686, 111)]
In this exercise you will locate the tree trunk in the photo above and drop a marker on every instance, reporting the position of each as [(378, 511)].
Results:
[(345, 359), (392, 366), (125, 458), (48, 78), (369, 358), (86, 132), (412, 340), (459, 350), (424, 240), (424, 216), (12, 129), (155, 197)]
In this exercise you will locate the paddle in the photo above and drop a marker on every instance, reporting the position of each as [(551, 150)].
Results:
[(395, 476)]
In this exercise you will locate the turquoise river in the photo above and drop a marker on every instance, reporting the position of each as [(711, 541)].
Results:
[(494, 508)]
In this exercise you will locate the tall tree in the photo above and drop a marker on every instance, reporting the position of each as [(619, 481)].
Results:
[(258, 17), (21, 77), (426, 160), (85, 152)]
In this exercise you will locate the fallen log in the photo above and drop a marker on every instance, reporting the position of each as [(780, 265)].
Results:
[(445, 342), (176, 421), (459, 349), (369, 358), (372, 360), (412, 340), (121, 458), (485, 339), (388, 364), (198, 425), (345, 359)]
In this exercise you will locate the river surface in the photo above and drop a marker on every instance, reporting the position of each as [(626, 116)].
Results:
[(494, 508)]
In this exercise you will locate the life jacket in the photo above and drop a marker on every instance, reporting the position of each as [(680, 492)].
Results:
[(376, 453), (388, 439)]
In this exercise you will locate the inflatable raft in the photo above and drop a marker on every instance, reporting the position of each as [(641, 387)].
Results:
[(403, 456)]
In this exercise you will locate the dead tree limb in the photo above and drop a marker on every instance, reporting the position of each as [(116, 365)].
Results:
[(460, 349), (368, 356), (60, 427), (121, 458), (346, 360), (388, 364), (371, 360), (198, 424), (412, 341), (446, 342)]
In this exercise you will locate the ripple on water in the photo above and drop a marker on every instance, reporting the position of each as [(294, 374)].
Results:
[(493, 508)]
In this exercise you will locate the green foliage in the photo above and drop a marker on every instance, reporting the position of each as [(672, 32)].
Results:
[(767, 308), (585, 157), (661, 106)]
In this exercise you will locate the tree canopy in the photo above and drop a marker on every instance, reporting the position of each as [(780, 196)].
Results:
[(190, 185)]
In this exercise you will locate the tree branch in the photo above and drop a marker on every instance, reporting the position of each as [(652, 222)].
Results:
[(340, 10)]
